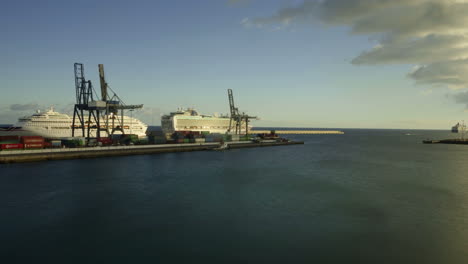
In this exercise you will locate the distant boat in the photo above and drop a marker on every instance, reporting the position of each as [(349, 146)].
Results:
[(455, 128)]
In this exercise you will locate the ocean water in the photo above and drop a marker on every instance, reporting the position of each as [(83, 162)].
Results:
[(369, 196)]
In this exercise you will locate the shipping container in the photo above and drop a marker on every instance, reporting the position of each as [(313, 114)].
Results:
[(81, 141), (9, 138), (129, 139), (56, 143), (143, 142), (199, 140), (32, 140), (160, 141), (70, 143), (33, 145), (180, 140), (9, 142), (105, 141), (11, 146), (116, 136)]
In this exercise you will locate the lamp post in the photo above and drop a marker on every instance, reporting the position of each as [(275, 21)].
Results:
[(131, 120)]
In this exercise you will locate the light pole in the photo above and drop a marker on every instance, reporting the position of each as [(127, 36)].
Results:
[(131, 120)]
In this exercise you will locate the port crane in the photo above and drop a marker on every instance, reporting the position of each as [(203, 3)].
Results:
[(113, 104), (236, 117), (107, 108)]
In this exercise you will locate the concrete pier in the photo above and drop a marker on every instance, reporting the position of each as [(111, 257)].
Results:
[(300, 132), (447, 141), (16, 156)]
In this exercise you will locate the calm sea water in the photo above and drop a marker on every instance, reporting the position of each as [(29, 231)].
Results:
[(369, 196)]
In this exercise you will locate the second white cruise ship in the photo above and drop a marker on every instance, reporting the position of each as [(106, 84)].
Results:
[(190, 120)]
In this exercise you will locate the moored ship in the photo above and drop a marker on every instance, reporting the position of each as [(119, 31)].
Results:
[(52, 124), (190, 120)]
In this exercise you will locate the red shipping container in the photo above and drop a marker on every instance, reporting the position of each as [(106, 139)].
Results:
[(105, 141), (32, 139), (11, 146), (5, 138), (33, 145)]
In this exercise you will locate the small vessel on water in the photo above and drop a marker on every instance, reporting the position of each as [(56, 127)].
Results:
[(52, 124), (190, 120), (455, 128)]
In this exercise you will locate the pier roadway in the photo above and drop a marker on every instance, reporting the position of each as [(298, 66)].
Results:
[(14, 156), (299, 132)]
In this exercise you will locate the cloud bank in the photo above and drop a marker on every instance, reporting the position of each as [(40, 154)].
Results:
[(23, 107), (431, 34)]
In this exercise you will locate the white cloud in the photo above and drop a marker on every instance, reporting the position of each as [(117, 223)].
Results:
[(432, 34), (23, 107)]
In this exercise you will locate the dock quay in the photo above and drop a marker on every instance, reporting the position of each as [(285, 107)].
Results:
[(447, 141), (300, 132), (19, 156)]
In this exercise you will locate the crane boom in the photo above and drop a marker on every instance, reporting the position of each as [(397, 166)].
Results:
[(103, 82)]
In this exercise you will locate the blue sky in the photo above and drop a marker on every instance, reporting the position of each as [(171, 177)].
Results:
[(170, 54)]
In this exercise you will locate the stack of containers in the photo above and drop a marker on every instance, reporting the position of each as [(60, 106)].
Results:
[(157, 137), (209, 138), (217, 137), (153, 139), (116, 138), (81, 141), (10, 143), (199, 140), (129, 139), (72, 142), (105, 141), (56, 143), (245, 138), (32, 142), (143, 140)]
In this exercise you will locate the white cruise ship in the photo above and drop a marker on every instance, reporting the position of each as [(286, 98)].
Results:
[(190, 120), (51, 124)]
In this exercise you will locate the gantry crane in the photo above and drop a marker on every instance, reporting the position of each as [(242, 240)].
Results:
[(106, 108), (236, 117), (84, 103), (113, 105)]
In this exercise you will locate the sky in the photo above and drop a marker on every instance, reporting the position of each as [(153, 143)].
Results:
[(293, 63)]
